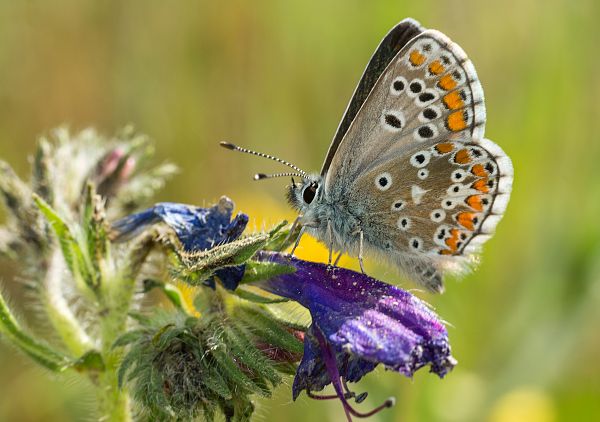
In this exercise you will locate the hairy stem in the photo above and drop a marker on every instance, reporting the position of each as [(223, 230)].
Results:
[(58, 310), (116, 293), (38, 351)]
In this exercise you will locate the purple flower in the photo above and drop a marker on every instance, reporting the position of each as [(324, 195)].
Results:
[(198, 229), (357, 323)]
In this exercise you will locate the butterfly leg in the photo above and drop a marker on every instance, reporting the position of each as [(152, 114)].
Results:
[(298, 240), (292, 229), (360, 252), (330, 235), (335, 264)]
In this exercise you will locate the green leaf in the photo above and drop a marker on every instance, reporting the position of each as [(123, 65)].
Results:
[(71, 250), (90, 361), (141, 318), (257, 271), (196, 267), (215, 382), (129, 359), (41, 177), (250, 356), (94, 227), (171, 292), (257, 298), (38, 351), (262, 323), (230, 369), (137, 253), (16, 196), (282, 239), (164, 335), (129, 337), (15, 192)]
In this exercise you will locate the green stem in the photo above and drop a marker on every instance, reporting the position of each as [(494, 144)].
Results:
[(113, 402), (40, 352), (59, 313), (116, 292)]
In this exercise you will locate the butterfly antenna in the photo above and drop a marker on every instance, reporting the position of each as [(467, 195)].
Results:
[(261, 176), (300, 172)]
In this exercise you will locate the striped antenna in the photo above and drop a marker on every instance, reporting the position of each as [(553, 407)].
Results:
[(260, 176)]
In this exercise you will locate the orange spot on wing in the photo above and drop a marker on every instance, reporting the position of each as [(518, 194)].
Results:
[(481, 185), (474, 201), (462, 157), (453, 100), (447, 82), (416, 58), (445, 252), (452, 241), (479, 171), (465, 219), (456, 121), (444, 148), (435, 68)]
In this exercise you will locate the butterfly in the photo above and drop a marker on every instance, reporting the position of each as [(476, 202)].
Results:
[(409, 175)]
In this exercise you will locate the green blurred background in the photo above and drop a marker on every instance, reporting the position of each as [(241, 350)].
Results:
[(276, 76)]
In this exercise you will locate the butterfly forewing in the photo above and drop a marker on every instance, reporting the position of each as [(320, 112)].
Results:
[(429, 91), (388, 48), (429, 187)]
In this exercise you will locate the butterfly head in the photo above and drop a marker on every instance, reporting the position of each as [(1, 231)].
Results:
[(302, 194)]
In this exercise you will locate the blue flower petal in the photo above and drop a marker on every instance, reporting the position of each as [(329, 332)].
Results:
[(312, 374), (197, 228), (230, 276)]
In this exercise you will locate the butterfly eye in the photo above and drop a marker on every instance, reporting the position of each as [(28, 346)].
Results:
[(309, 193)]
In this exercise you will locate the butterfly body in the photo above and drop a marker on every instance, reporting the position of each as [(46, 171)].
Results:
[(334, 217), (409, 174)]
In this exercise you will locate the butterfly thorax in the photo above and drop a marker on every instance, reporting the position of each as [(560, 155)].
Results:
[(334, 217)]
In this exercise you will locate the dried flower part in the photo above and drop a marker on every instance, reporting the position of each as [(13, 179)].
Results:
[(112, 171), (23, 220), (198, 229)]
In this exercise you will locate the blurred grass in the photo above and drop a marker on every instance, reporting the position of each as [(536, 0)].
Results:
[(276, 76)]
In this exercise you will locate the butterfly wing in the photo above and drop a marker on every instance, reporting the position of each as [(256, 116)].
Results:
[(432, 188), (438, 204), (391, 44), (429, 91)]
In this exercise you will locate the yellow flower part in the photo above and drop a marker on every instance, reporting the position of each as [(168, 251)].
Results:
[(188, 294), (523, 404)]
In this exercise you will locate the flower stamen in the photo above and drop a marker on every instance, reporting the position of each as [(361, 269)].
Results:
[(336, 380), (321, 396), (358, 398)]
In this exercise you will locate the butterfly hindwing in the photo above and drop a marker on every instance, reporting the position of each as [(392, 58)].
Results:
[(437, 204)]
